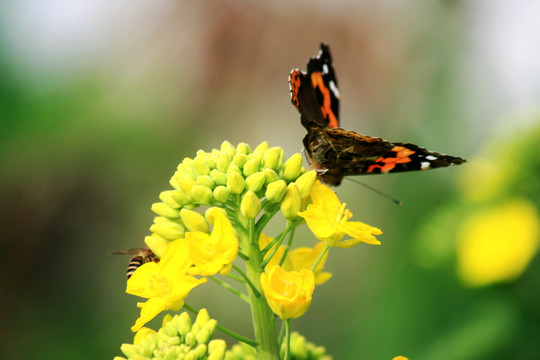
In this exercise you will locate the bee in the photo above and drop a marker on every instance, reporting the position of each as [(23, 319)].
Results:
[(139, 256)]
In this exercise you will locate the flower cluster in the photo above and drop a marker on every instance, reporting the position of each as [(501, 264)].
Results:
[(177, 339), (215, 216)]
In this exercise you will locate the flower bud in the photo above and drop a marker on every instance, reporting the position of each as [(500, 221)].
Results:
[(225, 145), (250, 167), (270, 175), (130, 350), (168, 230), (205, 180), (165, 210), (243, 148), (183, 323), (293, 167), (275, 191), (221, 194), (219, 177), (291, 203), (179, 197), (273, 158), (167, 198), (206, 332), (216, 349), (262, 147), (255, 182), (235, 183), (202, 195), (193, 220), (250, 205), (157, 244), (201, 167), (223, 162), (305, 183), (200, 351), (239, 160), (186, 185)]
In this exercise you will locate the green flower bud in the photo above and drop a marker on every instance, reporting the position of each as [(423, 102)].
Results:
[(225, 145), (222, 164), (262, 147), (292, 167), (183, 323), (239, 160), (174, 182), (205, 333), (205, 180), (168, 230), (305, 183), (243, 148), (190, 339), (157, 244), (216, 349), (165, 210), (273, 158), (130, 350), (221, 194), (201, 167), (193, 220), (255, 182), (200, 350), (250, 205), (233, 168), (250, 167), (179, 197), (202, 195), (219, 177), (160, 219), (186, 186), (203, 317), (291, 203), (235, 183), (167, 198), (271, 176), (275, 191)]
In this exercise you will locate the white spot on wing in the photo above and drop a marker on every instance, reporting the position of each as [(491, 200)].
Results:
[(325, 69), (334, 89), (424, 165), (431, 157)]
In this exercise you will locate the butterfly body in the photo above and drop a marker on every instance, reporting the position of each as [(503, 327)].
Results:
[(336, 152)]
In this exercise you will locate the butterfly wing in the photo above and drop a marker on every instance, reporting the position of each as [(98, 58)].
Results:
[(343, 152), (315, 93)]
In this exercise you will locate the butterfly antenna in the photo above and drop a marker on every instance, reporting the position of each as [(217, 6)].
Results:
[(395, 201)]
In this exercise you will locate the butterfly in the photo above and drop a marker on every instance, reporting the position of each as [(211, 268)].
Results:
[(335, 152)]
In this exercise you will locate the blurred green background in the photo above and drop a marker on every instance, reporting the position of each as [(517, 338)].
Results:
[(100, 100)]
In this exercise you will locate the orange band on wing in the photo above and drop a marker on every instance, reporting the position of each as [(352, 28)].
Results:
[(402, 157), (326, 107)]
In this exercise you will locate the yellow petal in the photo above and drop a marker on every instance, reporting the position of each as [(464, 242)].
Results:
[(149, 310)]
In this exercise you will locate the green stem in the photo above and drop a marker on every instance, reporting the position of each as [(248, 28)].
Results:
[(262, 316), (288, 246), (247, 280), (224, 330), (287, 339), (227, 286), (319, 258), (235, 277)]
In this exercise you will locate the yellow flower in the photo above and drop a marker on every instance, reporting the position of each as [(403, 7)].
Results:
[(328, 219), (304, 258), (288, 293), (400, 358), (213, 253), (164, 284), (498, 244)]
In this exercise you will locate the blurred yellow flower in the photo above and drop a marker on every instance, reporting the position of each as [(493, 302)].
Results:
[(304, 258), (497, 244), (164, 284), (328, 219), (288, 293), (400, 358), (264, 240), (213, 253)]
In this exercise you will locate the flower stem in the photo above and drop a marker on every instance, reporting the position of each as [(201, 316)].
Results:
[(230, 288), (316, 263), (287, 339), (247, 280), (262, 316)]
